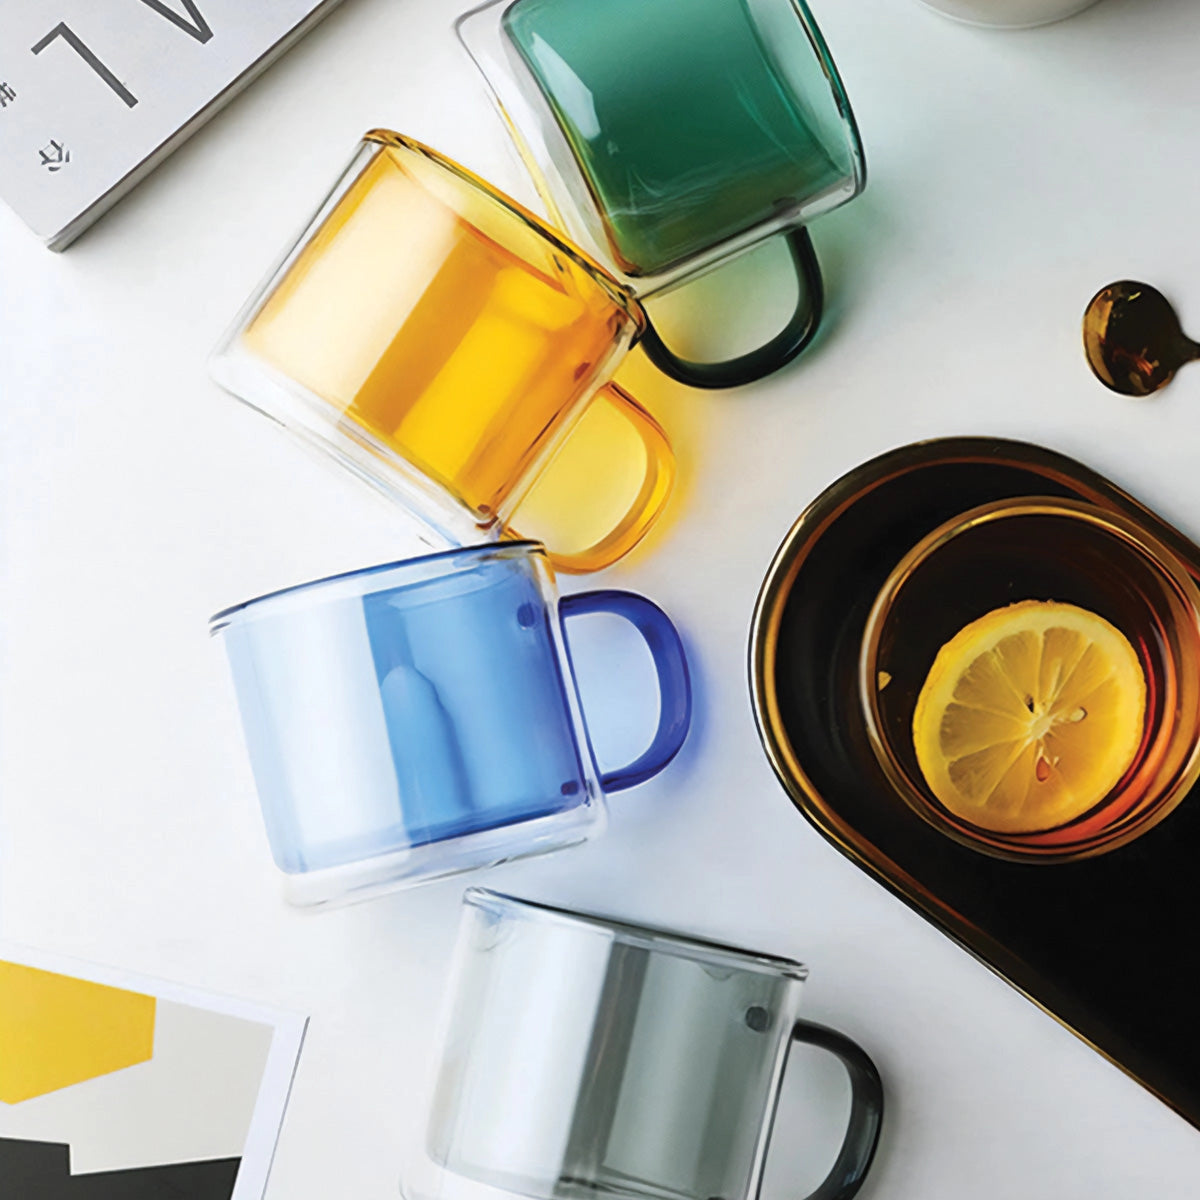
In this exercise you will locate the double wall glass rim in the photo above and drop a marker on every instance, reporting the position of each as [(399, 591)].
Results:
[(383, 576), (697, 949), (837, 89)]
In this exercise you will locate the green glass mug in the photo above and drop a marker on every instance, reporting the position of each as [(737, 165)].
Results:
[(667, 137)]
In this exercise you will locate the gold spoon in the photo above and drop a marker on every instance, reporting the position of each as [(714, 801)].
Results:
[(1133, 340)]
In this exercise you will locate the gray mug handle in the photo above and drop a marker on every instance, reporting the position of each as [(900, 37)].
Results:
[(866, 1110)]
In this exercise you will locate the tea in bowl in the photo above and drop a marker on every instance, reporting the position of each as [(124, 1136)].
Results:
[(1028, 678)]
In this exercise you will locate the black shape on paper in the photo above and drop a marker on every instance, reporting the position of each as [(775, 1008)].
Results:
[(197, 27), (68, 35), (42, 1171), (55, 156)]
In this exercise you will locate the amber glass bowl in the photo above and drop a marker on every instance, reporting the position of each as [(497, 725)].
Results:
[(1036, 548)]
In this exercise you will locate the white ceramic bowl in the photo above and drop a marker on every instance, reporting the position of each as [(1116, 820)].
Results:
[(1009, 14)]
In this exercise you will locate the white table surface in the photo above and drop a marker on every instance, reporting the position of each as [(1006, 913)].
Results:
[(1011, 175)]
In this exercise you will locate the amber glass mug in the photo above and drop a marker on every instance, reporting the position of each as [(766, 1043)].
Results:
[(445, 344)]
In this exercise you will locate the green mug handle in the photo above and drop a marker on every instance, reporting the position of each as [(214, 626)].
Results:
[(766, 360)]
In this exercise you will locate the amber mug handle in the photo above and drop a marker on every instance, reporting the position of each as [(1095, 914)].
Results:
[(613, 412)]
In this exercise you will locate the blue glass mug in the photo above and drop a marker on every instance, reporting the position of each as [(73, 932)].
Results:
[(416, 719)]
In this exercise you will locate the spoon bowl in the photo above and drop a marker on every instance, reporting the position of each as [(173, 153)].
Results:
[(1133, 339)]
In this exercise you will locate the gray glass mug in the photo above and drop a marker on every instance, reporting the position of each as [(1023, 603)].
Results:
[(583, 1057)]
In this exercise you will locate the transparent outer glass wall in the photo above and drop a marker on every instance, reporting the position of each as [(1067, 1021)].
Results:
[(584, 1057), (444, 345), (422, 718)]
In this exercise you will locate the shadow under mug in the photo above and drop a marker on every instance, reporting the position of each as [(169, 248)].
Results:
[(667, 137), (417, 719), (444, 344), (586, 1057), (1041, 548)]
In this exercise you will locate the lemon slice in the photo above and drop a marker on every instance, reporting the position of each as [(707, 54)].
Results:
[(1030, 716)]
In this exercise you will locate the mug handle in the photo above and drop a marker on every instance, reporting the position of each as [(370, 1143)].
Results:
[(866, 1110), (674, 681), (764, 361), (611, 411)]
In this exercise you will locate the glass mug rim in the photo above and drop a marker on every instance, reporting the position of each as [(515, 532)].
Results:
[(651, 938), (1160, 560), (343, 582)]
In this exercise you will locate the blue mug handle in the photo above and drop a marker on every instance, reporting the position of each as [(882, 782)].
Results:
[(674, 682)]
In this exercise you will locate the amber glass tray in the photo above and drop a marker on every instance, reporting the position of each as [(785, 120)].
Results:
[(1107, 945)]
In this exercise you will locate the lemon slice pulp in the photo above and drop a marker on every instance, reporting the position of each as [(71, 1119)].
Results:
[(1030, 716)]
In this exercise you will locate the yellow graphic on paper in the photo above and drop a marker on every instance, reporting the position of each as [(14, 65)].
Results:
[(56, 1031)]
